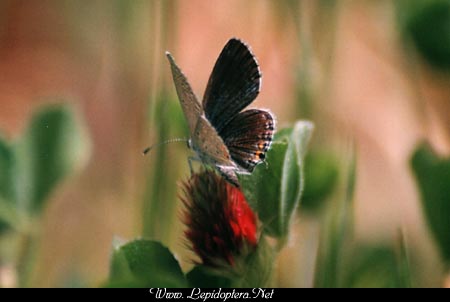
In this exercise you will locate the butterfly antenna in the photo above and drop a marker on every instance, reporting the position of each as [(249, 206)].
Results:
[(173, 140)]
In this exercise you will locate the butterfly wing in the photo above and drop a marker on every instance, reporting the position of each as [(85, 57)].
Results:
[(234, 83), (212, 150), (248, 137), (189, 103), (209, 145)]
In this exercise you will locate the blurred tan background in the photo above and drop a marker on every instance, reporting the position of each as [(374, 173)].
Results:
[(346, 58)]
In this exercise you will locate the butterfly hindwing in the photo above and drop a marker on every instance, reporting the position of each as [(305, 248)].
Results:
[(248, 137), (189, 103), (209, 145), (234, 83)]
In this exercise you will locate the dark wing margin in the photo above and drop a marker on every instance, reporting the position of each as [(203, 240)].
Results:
[(234, 83), (248, 137)]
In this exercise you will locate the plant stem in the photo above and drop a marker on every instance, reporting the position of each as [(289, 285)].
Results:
[(26, 261)]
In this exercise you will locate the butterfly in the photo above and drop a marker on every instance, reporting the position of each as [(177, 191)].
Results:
[(221, 134)]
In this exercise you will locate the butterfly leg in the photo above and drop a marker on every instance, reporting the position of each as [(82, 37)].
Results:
[(190, 160)]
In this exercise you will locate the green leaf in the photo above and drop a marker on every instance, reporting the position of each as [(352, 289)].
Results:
[(199, 276), (429, 28), (259, 267), (283, 134), (374, 267), (263, 187), (321, 176), (433, 178), (54, 145), (145, 263), (120, 272), (6, 171), (9, 216), (274, 189), (7, 198)]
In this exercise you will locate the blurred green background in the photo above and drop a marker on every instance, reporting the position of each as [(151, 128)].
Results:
[(373, 76)]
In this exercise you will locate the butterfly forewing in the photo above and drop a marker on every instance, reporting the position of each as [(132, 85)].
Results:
[(234, 83), (189, 103), (248, 137)]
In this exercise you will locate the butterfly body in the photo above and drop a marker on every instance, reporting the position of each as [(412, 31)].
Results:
[(222, 135)]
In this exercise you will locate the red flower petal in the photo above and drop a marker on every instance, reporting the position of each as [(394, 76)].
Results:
[(220, 222)]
